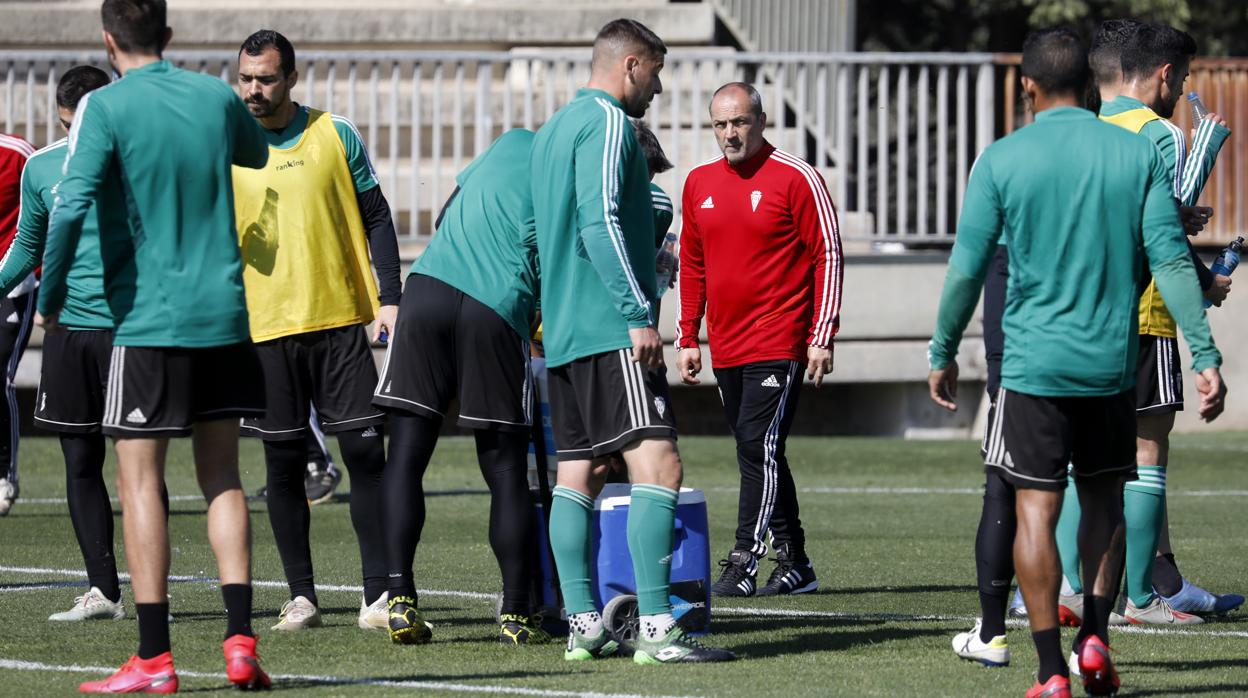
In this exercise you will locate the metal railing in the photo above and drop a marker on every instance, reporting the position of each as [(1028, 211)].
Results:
[(893, 133)]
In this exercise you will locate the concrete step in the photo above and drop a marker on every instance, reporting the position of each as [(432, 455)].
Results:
[(379, 24)]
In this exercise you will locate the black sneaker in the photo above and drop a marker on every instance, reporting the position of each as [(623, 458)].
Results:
[(407, 623), (737, 578), (516, 629), (793, 575), (320, 482)]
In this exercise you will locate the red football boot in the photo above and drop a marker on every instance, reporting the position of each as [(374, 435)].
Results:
[(1096, 668), (153, 675), (1057, 686), (242, 664)]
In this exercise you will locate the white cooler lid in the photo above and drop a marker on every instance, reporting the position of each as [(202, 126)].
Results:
[(616, 495)]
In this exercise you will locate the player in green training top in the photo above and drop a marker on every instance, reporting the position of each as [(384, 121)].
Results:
[(462, 334), (1103, 197), (153, 153), (70, 401), (595, 241), (1154, 66)]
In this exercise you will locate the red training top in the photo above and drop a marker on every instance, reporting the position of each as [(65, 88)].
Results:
[(13, 154), (760, 253)]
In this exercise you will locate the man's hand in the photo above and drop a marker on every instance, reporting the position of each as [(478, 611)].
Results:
[(1215, 118), (1220, 289), (818, 363), (1194, 218), (49, 323), (647, 347), (386, 317), (689, 361), (943, 386), (1212, 393)]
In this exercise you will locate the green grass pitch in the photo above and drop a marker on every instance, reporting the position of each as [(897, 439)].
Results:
[(891, 526)]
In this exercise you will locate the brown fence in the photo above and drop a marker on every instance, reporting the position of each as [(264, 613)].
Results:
[(1223, 87)]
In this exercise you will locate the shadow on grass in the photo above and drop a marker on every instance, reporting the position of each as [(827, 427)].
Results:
[(20, 586), (827, 635), (297, 683)]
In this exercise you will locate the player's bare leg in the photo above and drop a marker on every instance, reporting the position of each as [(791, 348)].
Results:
[(141, 486), (229, 532), (1039, 571), (229, 525), (140, 482)]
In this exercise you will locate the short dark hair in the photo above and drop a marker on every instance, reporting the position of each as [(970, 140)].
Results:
[(625, 36), (756, 100), (1057, 60), (76, 82), (1105, 54), (1155, 45), (137, 26), (267, 38), (656, 160)]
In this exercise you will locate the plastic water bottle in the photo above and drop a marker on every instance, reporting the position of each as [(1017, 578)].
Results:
[(1199, 112), (1226, 261), (665, 262)]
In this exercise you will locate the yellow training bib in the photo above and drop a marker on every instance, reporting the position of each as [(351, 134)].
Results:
[(1155, 320), (304, 247)]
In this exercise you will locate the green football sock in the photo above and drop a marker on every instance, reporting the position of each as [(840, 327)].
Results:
[(651, 531), (1068, 537), (570, 515), (1144, 507)]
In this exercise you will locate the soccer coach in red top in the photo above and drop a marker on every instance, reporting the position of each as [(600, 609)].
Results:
[(761, 257)]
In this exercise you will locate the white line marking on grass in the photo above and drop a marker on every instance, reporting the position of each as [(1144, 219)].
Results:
[(200, 497), (966, 490), (182, 578), (21, 665), (719, 610)]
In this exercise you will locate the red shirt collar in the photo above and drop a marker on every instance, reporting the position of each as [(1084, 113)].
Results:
[(750, 167)]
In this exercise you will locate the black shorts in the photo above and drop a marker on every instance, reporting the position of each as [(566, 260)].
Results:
[(162, 391), (448, 345), (1158, 376), (599, 404), (73, 380), (1034, 439), (332, 369)]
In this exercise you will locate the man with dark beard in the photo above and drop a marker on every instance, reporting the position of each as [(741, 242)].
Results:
[(307, 224)]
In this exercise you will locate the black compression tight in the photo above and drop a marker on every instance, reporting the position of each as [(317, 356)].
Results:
[(90, 509), (287, 499), (364, 453), (503, 460), (504, 465), (994, 553), (290, 518), (412, 440)]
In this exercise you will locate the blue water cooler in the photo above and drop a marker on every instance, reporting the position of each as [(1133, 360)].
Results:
[(691, 555)]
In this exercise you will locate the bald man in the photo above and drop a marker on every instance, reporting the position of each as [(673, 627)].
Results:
[(595, 239), (761, 258)]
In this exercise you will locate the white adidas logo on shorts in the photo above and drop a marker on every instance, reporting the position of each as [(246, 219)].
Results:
[(136, 417), (771, 382)]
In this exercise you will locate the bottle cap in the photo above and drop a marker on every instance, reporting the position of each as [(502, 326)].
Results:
[(1192, 96)]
